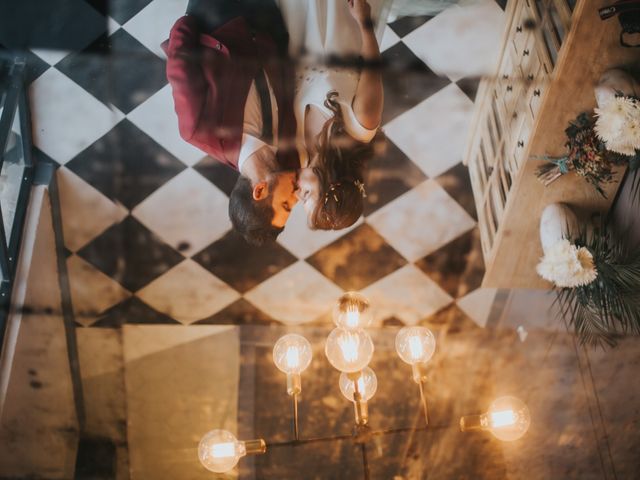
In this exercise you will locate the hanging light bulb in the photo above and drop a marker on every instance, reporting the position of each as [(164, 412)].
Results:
[(292, 355), (508, 419), (359, 388), (352, 311), (416, 346), (367, 385), (219, 450), (348, 350)]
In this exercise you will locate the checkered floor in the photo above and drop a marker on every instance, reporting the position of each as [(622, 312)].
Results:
[(145, 214)]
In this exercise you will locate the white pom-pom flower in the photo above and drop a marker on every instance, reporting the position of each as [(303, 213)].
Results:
[(566, 265), (618, 125)]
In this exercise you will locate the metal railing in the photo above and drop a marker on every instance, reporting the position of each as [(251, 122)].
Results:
[(16, 174)]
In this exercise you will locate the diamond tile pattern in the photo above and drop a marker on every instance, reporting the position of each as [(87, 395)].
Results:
[(104, 69), (145, 214), (188, 293), (126, 164), (130, 254), (241, 265), (297, 294), (187, 225), (357, 259)]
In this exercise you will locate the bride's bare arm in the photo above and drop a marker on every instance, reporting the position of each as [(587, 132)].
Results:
[(369, 99)]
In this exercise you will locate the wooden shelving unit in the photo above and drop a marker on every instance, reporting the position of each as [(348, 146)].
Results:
[(553, 54)]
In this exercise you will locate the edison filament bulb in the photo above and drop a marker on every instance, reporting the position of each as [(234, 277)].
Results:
[(349, 350), (415, 344), (352, 311), (292, 353), (367, 385), (508, 419), (219, 451)]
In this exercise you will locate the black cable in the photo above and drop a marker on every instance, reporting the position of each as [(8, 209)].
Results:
[(365, 461), (604, 428), (584, 388)]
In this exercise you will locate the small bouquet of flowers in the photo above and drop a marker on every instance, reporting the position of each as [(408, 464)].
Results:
[(596, 277), (586, 155), (597, 143)]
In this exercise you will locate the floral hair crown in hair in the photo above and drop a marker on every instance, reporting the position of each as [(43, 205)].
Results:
[(360, 186), (332, 191)]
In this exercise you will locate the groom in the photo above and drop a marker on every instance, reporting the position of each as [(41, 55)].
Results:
[(233, 93)]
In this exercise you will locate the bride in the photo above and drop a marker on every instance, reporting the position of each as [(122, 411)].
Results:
[(338, 102)]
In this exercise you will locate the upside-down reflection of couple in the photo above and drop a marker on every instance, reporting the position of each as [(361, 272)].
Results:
[(296, 131)]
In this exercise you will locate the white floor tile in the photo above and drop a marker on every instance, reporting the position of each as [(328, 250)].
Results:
[(462, 41), (389, 39), (152, 25), (66, 118), (421, 220), (86, 212), (298, 294), (188, 209), (477, 304), (157, 118), (407, 294), (50, 55), (434, 133), (303, 242), (92, 292), (188, 293)]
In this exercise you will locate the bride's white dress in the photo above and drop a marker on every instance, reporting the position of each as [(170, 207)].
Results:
[(321, 29)]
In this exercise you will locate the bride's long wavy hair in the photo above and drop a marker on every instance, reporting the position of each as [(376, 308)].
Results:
[(339, 166)]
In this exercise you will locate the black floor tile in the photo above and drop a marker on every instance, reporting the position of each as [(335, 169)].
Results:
[(240, 312), (219, 174), (116, 70), (130, 254), (35, 65), (357, 259), (134, 311), (469, 86), (389, 174), (458, 267), (407, 81), (120, 10), (241, 265), (58, 24), (457, 184), (405, 25), (126, 164)]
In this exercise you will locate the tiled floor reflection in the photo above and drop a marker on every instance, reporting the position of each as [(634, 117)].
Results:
[(145, 214)]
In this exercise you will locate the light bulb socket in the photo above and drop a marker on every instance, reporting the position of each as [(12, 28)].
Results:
[(470, 423), (294, 384), (419, 372), (361, 409), (255, 447)]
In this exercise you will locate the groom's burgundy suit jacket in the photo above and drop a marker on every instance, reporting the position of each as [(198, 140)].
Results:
[(211, 75)]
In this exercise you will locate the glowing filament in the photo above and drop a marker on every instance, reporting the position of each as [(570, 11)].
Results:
[(415, 347), (353, 316), (504, 418), (349, 347), (293, 357), (223, 450)]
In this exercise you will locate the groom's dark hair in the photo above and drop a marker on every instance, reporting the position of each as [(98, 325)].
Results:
[(252, 218)]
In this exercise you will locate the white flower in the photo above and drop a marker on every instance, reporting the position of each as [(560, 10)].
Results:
[(567, 265), (618, 125)]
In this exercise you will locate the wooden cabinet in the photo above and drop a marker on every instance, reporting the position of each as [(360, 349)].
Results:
[(552, 55)]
